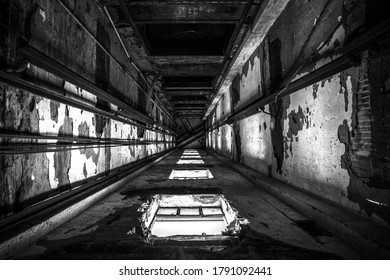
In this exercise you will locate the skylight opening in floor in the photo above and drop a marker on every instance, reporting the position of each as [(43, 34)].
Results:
[(190, 156), (190, 161), (190, 174), (194, 215), (190, 151)]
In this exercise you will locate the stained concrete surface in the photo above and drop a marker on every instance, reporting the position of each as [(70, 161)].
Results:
[(276, 231), (329, 138)]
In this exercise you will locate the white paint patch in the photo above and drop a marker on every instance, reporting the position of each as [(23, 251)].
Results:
[(121, 155), (79, 118), (218, 111), (77, 163), (53, 181), (43, 14), (46, 124), (49, 126), (101, 166), (219, 139), (78, 160)]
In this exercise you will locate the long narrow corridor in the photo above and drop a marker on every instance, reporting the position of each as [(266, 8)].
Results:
[(112, 228), (197, 129)]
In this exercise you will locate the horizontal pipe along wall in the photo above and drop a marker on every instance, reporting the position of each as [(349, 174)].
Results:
[(325, 138), (53, 165)]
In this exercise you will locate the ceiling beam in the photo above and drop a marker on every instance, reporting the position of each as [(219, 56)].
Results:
[(188, 98), (182, 21), (172, 2), (179, 11), (189, 82), (188, 92), (188, 88), (189, 108), (187, 59), (263, 21), (209, 69), (191, 116), (179, 113)]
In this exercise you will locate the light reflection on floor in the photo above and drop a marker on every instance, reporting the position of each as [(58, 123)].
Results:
[(190, 161), (191, 174)]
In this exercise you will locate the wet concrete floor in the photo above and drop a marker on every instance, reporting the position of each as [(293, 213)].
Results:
[(111, 229)]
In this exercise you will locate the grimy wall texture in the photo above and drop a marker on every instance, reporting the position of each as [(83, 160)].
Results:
[(331, 138), (26, 177)]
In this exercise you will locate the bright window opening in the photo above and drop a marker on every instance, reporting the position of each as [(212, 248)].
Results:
[(181, 174)]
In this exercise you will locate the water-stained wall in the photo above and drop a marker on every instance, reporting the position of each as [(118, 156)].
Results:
[(330, 138), (27, 176)]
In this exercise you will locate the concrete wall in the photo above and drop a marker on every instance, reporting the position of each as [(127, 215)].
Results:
[(25, 178), (330, 138)]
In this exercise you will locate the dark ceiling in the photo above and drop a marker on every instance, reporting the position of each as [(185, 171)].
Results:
[(187, 39), (187, 44)]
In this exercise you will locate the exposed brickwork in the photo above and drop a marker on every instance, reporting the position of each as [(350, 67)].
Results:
[(380, 106), (361, 139)]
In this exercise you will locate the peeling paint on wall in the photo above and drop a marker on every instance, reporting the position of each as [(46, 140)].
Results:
[(327, 129), (250, 81), (312, 141), (48, 27), (276, 127), (256, 142)]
